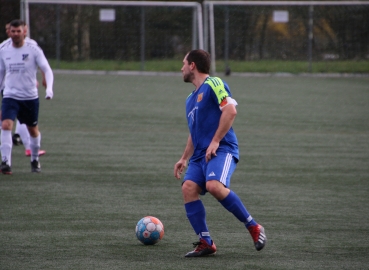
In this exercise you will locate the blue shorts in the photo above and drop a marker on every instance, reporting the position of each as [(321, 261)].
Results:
[(220, 168), (25, 110)]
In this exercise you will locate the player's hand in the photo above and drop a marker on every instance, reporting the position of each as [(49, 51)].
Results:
[(211, 151), (49, 94), (179, 167)]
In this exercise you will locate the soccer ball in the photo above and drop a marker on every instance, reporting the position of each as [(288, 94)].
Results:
[(149, 230), (17, 139)]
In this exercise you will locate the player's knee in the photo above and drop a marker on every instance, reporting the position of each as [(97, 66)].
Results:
[(217, 189), (33, 131), (212, 187), (7, 125), (190, 188), (190, 191)]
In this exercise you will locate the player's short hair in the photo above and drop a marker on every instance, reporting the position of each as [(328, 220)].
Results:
[(17, 23), (201, 59)]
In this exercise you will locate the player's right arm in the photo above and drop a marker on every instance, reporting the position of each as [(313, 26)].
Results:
[(182, 162), (2, 74), (44, 83)]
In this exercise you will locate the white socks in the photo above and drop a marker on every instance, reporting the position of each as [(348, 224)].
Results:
[(22, 130), (6, 146), (35, 145)]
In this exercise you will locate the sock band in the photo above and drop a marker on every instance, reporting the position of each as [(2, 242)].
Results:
[(196, 214)]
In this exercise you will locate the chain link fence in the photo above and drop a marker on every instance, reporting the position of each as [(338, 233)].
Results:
[(73, 32)]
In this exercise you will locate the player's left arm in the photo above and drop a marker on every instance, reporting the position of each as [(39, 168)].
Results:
[(2, 75), (48, 75), (227, 118), (33, 42), (43, 79)]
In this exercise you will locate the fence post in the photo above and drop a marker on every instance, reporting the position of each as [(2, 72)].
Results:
[(311, 36), (142, 41), (226, 40), (58, 36)]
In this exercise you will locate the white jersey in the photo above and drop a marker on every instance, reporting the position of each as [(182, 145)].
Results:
[(19, 65), (9, 41), (6, 41)]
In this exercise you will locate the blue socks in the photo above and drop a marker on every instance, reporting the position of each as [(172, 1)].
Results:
[(234, 205), (197, 216)]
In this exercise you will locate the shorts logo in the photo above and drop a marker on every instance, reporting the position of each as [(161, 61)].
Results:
[(199, 97), (25, 57), (211, 174)]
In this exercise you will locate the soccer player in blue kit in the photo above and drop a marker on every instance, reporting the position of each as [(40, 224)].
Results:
[(19, 61), (211, 152)]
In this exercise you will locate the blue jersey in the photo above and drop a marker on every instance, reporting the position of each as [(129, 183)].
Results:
[(203, 115)]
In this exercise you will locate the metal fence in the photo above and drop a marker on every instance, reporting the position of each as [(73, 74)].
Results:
[(114, 30), (287, 30), (233, 30)]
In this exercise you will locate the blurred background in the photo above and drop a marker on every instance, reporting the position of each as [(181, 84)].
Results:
[(75, 32)]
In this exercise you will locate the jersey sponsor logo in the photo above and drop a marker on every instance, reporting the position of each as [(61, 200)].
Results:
[(25, 57), (192, 114), (16, 68), (199, 97)]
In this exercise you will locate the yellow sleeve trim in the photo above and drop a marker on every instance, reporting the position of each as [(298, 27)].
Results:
[(218, 87)]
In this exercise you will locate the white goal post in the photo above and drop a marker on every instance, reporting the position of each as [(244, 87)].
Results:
[(197, 9), (197, 19), (209, 29)]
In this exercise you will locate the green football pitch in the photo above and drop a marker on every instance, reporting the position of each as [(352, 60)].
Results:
[(112, 142)]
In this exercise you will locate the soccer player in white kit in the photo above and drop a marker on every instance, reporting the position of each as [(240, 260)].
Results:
[(21, 134), (19, 61)]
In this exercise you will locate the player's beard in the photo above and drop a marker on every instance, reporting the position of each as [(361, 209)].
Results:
[(188, 77), (17, 41)]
